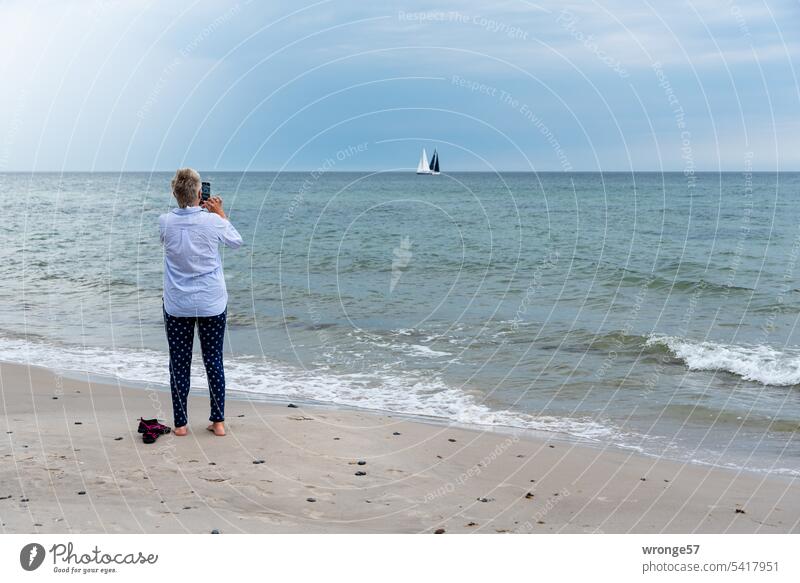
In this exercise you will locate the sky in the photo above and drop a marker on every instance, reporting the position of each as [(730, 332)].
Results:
[(137, 85)]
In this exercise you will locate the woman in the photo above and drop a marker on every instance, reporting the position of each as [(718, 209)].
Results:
[(195, 293)]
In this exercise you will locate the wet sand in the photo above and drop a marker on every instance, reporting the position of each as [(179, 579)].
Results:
[(72, 461)]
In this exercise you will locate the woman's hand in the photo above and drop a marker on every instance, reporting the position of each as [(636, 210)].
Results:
[(214, 205)]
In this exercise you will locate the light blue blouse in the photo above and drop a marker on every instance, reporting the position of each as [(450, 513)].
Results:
[(194, 284)]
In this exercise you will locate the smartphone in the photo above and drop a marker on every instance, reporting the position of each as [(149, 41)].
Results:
[(205, 192)]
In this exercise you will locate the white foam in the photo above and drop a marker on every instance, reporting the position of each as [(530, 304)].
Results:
[(759, 363), (386, 392), (408, 394), (420, 350)]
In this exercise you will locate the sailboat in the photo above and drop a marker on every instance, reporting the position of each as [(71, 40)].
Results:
[(424, 168)]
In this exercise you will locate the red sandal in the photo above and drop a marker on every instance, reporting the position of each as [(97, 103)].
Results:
[(152, 426)]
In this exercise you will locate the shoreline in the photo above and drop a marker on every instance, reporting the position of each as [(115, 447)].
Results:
[(521, 432), (419, 476)]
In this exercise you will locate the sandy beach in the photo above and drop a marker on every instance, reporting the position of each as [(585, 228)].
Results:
[(73, 462)]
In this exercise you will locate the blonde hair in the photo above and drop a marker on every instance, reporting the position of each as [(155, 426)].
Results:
[(185, 185)]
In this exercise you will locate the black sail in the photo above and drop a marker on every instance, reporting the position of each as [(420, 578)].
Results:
[(435, 161)]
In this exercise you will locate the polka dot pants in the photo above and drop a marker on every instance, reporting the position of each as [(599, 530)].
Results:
[(180, 336)]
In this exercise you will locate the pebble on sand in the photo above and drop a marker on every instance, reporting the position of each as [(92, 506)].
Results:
[(258, 461), (361, 463), (451, 440), (82, 493), (396, 433), (311, 499), (739, 511), (472, 524), (361, 473), (79, 423), (438, 531), (292, 406), (117, 439), (529, 495), (215, 531)]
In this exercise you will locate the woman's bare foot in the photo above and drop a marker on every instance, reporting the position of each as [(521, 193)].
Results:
[(179, 431), (217, 428)]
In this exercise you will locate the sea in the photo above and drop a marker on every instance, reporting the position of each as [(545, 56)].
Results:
[(654, 313)]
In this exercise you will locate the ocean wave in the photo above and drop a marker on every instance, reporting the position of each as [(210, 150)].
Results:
[(674, 277), (406, 394), (758, 363), (616, 340)]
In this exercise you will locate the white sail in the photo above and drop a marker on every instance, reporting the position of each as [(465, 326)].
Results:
[(422, 167)]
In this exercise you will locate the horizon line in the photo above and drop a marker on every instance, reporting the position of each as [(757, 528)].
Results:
[(409, 171)]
